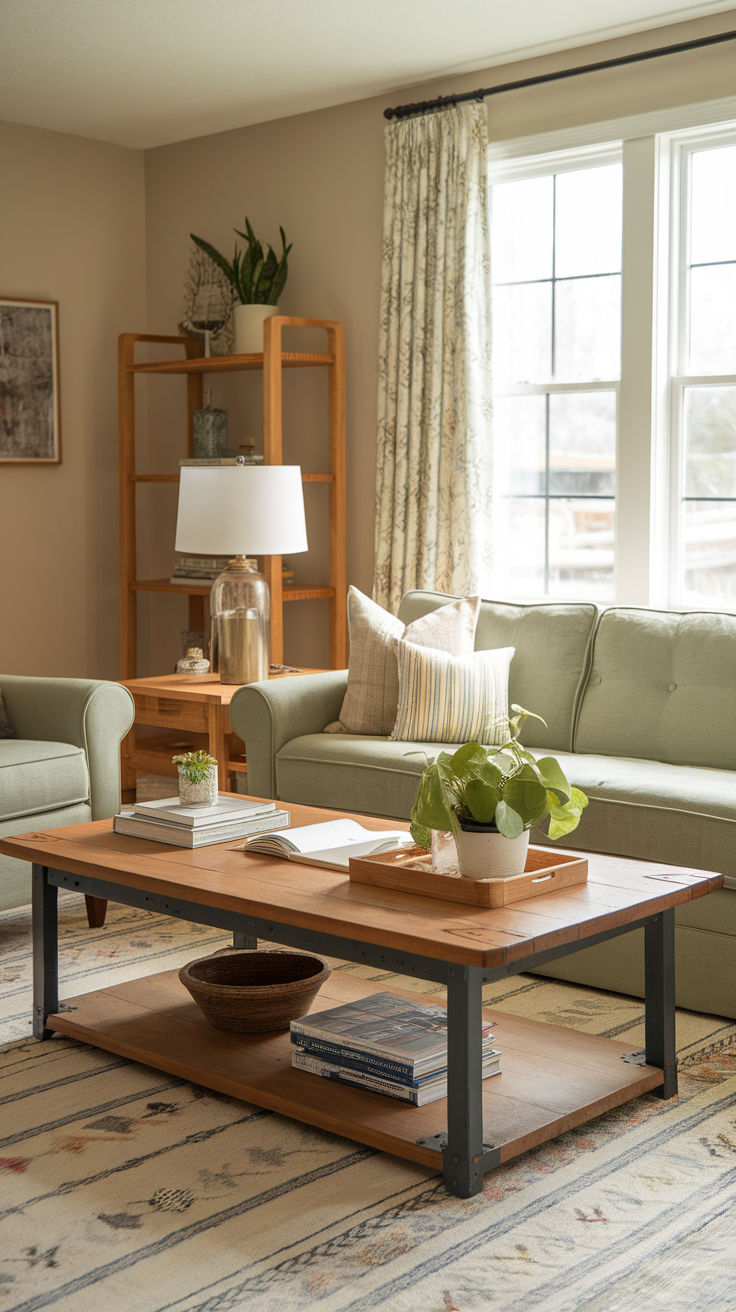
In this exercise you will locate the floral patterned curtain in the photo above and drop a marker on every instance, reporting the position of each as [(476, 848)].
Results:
[(434, 402)]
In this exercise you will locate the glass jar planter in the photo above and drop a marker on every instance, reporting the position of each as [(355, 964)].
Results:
[(202, 793)]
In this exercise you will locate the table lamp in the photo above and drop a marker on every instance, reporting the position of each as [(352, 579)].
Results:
[(242, 510)]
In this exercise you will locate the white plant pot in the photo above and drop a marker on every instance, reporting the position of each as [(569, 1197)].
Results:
[(248, 321), (488, 855)]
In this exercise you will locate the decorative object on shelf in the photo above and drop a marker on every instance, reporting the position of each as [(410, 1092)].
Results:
[(250, 991), (30, 432), (193, 638), (241, 508), (247, 450), (197, 778), (258, 282), (203, 273), (193, 662), (209, 431), (490, 798)]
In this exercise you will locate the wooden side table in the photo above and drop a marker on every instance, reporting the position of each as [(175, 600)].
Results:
[(195, 712)]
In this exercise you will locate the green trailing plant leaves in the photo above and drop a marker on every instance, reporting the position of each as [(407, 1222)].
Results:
[(553, 778), (482, 799), (431, 808), (528, 798), (508, 822), (421, 835)]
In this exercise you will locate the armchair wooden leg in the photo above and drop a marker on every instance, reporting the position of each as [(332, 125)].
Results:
[(96, 911)]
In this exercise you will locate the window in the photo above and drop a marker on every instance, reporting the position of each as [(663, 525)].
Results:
[(556, 259), (704, 386), (615, 469)]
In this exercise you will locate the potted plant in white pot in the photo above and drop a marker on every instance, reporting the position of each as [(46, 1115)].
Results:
[(258, 281), (489, 798)]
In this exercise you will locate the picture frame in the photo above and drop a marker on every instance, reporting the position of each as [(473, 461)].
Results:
[(30, 409)]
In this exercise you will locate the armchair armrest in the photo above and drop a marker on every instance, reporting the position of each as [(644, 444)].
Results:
[(269, 714), (89, 713)]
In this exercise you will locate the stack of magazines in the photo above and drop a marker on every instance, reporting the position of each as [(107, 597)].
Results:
[(167, 821), (387, 1044)]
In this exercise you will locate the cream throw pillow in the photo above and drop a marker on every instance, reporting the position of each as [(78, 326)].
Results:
[(451, 699), (372, 694)]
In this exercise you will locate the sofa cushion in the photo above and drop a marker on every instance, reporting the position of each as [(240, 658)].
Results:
[(553, 641), (682, 815), (39, 776), (662, 686), (451, 699), (6, 728), (353, 773), (373, 679)]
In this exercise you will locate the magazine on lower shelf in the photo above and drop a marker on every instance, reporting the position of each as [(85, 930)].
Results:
[(414, 1033), (370, 1063), (429, 1090)]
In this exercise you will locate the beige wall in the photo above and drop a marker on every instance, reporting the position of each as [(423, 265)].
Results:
[(71, 230), (321, 176)]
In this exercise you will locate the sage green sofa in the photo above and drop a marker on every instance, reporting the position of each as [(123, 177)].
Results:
[(63, 765), (640, 708)]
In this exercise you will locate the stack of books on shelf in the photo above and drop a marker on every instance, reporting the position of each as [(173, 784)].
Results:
[(168, 821), (203, 569), (383, 1043)]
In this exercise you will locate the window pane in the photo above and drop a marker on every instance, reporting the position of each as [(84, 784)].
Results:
[(710, 442), (522, 333), (519, 566), (713, 205), (522, 230), (588, 208), (713, 319), (588, 329), (581, 541), (709, 553), (520, 441), (582, 442)]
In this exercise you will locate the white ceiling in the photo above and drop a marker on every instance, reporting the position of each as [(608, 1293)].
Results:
[(147, 72)]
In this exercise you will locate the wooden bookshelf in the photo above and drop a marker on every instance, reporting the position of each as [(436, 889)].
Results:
[(194, 367)]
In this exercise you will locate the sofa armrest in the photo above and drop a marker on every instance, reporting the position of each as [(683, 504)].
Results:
[(89, 713), (269, 714)]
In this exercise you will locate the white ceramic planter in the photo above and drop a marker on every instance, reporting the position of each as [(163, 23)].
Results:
[(204, 794), (248, 321), (488, 855)]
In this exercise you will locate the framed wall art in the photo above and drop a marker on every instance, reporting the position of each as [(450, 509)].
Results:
[(30, 427)]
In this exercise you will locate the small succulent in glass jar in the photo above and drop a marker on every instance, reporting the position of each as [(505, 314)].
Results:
[(197, 778)]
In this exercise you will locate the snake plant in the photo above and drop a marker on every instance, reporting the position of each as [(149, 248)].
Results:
[(258, 279)]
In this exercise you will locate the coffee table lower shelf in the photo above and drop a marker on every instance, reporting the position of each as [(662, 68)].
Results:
[(552, 1078)]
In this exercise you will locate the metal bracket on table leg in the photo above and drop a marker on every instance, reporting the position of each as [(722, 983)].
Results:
[(45, 952), (659, 999), (438, 1142)]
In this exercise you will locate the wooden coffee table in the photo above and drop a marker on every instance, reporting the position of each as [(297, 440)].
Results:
[(552, 1078)]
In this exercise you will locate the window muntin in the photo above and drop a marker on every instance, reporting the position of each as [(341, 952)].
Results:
[(556, 259)]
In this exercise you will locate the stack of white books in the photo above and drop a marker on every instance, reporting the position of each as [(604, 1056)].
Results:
[(167, 821)]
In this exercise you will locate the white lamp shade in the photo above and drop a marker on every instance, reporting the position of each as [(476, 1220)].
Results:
[(248, 510)]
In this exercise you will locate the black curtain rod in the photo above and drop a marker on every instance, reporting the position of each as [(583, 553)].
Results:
[(422, 106)]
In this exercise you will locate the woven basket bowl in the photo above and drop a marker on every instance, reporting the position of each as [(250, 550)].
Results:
[(250, 991)]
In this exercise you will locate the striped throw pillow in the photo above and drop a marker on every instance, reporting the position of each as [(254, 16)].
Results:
[(451, 699)]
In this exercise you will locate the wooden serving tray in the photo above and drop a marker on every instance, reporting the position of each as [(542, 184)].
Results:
[(544, 872)]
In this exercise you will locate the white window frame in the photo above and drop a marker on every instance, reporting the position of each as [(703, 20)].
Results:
[(649, 404), (682, 146)]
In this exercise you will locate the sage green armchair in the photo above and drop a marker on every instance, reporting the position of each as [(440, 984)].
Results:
[(63, 765)]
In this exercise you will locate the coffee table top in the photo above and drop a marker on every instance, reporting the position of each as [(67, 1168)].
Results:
[(618, 892)]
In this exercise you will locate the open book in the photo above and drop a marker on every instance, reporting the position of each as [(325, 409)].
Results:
[(330, 844)]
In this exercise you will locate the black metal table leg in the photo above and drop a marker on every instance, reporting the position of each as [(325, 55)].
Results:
[(659, 999), (463, 1156), (45, 952), (244, 940)]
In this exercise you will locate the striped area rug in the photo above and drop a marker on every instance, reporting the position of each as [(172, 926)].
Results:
[(123, 1188)]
